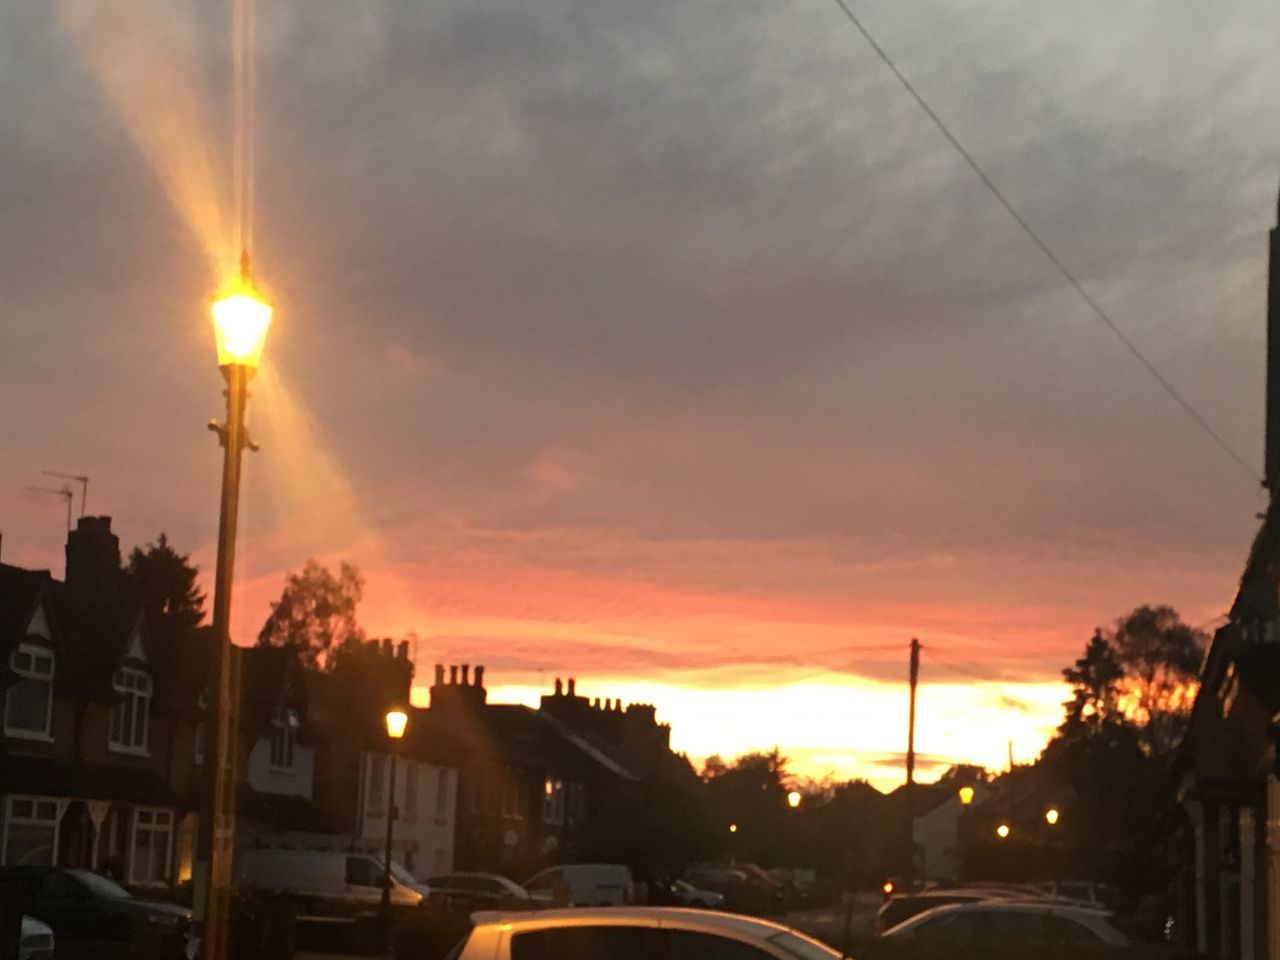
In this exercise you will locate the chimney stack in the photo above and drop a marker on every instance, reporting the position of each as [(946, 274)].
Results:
[(93, 561)]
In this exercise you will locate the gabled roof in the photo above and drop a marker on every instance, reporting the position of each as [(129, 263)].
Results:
[(20, 592)]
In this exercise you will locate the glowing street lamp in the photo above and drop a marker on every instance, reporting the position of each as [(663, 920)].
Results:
[(965, 794), (396, 721), (1002, 831), (793, 799), (240, 321), (733, 828), (1051, 816)]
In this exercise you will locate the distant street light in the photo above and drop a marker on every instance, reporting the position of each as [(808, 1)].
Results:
[(733, 828), (966, 795), (1002, 831), (1051, 816), (240, 321), (396, 720), (793, 799)]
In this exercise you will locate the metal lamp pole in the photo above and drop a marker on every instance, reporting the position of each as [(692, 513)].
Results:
[(240, 322), (396, 721)]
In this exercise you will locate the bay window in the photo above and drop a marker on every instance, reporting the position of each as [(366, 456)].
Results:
[(28, 703), (130, 717)]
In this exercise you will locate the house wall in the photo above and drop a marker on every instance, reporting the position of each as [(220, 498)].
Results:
[(296, 781), (426, 798)]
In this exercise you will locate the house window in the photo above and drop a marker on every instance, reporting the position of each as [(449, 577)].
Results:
[(283, 738), (28, 703), (553, 800), (31, 832), (152, 837), (442, 797), (410, 811), (130, 716), (377, 784)]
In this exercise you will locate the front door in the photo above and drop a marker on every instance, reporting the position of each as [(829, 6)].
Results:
[(75, 837)]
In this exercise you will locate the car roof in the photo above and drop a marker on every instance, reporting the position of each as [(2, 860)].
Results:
[(1012, 906), (587, 916)]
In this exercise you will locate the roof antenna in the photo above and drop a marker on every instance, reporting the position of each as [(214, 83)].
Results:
[(83, 481), (65, 493)]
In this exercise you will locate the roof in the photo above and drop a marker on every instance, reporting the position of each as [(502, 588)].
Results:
[(650, 916), (19, 592)]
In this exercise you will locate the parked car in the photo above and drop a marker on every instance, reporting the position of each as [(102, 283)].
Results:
[(327, 882), (87, 913), (690, 896), (468, 892), (904, 906), (633, 933), (35, 941), (1083, 891), (1010, 921), (581, 885)]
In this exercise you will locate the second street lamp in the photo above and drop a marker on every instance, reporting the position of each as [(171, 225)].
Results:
[(396, 720), (240, 321)]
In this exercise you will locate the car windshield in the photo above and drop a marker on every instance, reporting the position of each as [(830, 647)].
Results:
[(802, 947), (100, 886), (403, 875)]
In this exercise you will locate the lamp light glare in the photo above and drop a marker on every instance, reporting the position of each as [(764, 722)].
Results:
[(1002, 831), (793, 799), (240, 321), (733, 828), (397, 720), (966, 795), (1051, 816)]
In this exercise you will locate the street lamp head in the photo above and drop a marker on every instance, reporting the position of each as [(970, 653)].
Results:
[(1051, 816), (397, 720), (793, 799), (733, 828), (240, 321), (966, 795), (1002, 831)]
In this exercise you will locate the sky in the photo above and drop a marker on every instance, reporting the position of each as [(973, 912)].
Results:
[(667, 346)]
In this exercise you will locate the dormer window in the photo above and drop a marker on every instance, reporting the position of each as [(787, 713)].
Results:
[(28, 703), (131, 716), (284, 737)]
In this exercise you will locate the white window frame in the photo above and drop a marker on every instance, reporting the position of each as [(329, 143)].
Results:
[(160, 822), (282, 748), (11, 817), (136, 689), (32, 651)]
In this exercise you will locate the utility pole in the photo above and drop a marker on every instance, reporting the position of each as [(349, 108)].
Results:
[(914, 678)]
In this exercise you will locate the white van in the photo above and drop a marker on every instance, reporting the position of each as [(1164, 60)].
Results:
[(581, 885), (350, 882)]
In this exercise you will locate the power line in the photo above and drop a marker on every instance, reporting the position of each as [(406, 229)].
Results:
[(1062, 268)]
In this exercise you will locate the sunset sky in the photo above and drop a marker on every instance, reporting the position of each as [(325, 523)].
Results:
[(665, 345)]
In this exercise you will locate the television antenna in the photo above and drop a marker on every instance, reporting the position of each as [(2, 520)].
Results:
[(77, 478), (64, 492)]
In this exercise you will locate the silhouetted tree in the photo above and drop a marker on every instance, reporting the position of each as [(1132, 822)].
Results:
[(1160, 656), (316, 614), (164, 582)]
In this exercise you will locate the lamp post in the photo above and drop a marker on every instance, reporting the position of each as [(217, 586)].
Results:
[(396, 720), (240, 321)]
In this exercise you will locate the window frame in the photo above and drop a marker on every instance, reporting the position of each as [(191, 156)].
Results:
[(34, 804), (136, 689), (32, 649), (282, 747), (159, 822)]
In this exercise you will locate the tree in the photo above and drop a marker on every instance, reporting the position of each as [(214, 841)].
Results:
[(1160, 656), (316, 613), (1095, 690), (164, 582)]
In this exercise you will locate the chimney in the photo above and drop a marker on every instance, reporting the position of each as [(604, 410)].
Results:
[(453, 673), (402, 650), (466, 674), (480, 675), (572, 684), (559, 688), (387, 647), (439, 674), (93, 561)]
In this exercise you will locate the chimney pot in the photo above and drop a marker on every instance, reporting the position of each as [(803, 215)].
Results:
[(480, 675), (453, 673), (439, 674), (402, 650), (466, 674), (559, 687), (572, 684)]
